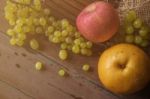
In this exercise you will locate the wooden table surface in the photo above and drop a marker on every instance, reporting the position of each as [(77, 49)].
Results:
[(20, 80)]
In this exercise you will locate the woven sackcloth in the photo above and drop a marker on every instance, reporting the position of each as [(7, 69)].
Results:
[(142, 7)]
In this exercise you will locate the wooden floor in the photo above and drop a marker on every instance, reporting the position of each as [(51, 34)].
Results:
[(19, 79)]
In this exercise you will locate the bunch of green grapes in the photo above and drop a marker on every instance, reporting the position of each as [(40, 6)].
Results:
[(63, 33), (28, 17), (137, 32)]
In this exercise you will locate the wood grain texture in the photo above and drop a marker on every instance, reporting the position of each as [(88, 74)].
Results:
[(18, 76)]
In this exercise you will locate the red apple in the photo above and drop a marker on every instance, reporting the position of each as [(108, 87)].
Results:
[(98, 22)]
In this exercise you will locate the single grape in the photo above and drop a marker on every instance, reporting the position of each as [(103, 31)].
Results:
[(57, 33), (69, 28), (64, 33), (138, 39), (10, 32), (38, 65), (86, 67), (56, 40), (22, 36), (69, 40), (34, 44), (129, 29), (63, 46), (131, 16), (42, 21), (64, 23), (63, 54), (77, 34), (19, 42), (89, 44), (84, 51), (77, 41), (12, 41), (143, 31), (62, 72), (50, 29), (137, 23), (76, 49), (83, 45), (129, 38)]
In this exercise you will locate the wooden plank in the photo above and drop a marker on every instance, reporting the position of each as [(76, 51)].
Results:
[(18, 70), (7, 92)]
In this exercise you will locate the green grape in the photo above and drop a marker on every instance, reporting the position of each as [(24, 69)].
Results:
[(62, 72), (69, 40), (83, 45), (12, 41), (19, 42), (10, 32), (63, 54), (50, 29), (138, 39), (20, 21), (76, 49), (144, 31), (64, 23), (18, 29), (38, 65), (89, 44), (39, 30), (34, 44), (145, 43), (81, 39), (22, 36), (129, 29), (84, 51), (131, 16), (129, 38), (77, 41), (137, 23), (12, 22), (42, 21), (46, 11), (63, 46), (86, 67), (57, 33), (69, 28), (64, 33), (77, 34), (56, 40)]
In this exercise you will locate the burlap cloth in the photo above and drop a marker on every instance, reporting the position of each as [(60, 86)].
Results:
[(142, 7)]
